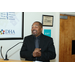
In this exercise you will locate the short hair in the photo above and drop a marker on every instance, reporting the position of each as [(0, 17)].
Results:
[(39, 23)]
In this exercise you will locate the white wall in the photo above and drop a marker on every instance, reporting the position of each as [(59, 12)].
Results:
[(29, 18)]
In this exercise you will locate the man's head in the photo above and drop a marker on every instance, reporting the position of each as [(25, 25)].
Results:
[(36, 28)]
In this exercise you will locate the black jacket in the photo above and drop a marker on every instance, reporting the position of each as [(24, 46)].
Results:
[(46, 45)]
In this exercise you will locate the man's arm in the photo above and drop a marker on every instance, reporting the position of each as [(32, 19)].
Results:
[(24, 53), (49, 53)]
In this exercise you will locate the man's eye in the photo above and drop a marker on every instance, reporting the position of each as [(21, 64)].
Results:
[(32, 27)]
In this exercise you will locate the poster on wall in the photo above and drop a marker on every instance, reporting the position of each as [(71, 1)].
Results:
[(47, 32), (11, 25)]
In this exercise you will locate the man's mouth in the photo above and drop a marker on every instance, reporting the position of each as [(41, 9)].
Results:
[(34, 31)]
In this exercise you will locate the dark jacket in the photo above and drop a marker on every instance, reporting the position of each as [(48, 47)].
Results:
[(46, 45)]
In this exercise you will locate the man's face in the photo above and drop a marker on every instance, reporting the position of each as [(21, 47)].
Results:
[(36, 29)]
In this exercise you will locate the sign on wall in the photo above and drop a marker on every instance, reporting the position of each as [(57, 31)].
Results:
[(11, 25), (47, 32)]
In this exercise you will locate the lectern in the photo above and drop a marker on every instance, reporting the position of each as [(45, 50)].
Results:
[(1, 60)]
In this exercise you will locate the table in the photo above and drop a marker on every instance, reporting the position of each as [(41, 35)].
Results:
[(1, 60)]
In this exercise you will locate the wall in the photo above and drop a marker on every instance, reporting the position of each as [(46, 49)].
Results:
[(29, 18)]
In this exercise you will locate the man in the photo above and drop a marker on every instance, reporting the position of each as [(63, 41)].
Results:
[(38, 47)]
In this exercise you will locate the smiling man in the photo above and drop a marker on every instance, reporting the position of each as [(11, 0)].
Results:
[(38, 47)]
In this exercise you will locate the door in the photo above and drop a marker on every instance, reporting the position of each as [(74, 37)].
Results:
[(67, 34)]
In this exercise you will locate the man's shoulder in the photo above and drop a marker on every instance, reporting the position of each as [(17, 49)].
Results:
[(29, 36), (46, 37)]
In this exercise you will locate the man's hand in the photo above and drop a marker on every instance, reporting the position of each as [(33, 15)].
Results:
[(37, 52)]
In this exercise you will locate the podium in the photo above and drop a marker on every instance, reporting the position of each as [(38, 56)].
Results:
[(1, 60)]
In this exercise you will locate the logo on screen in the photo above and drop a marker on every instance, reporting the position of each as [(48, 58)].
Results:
[(2, 32)]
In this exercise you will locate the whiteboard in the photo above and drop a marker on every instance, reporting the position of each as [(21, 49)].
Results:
[(11, 25)]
